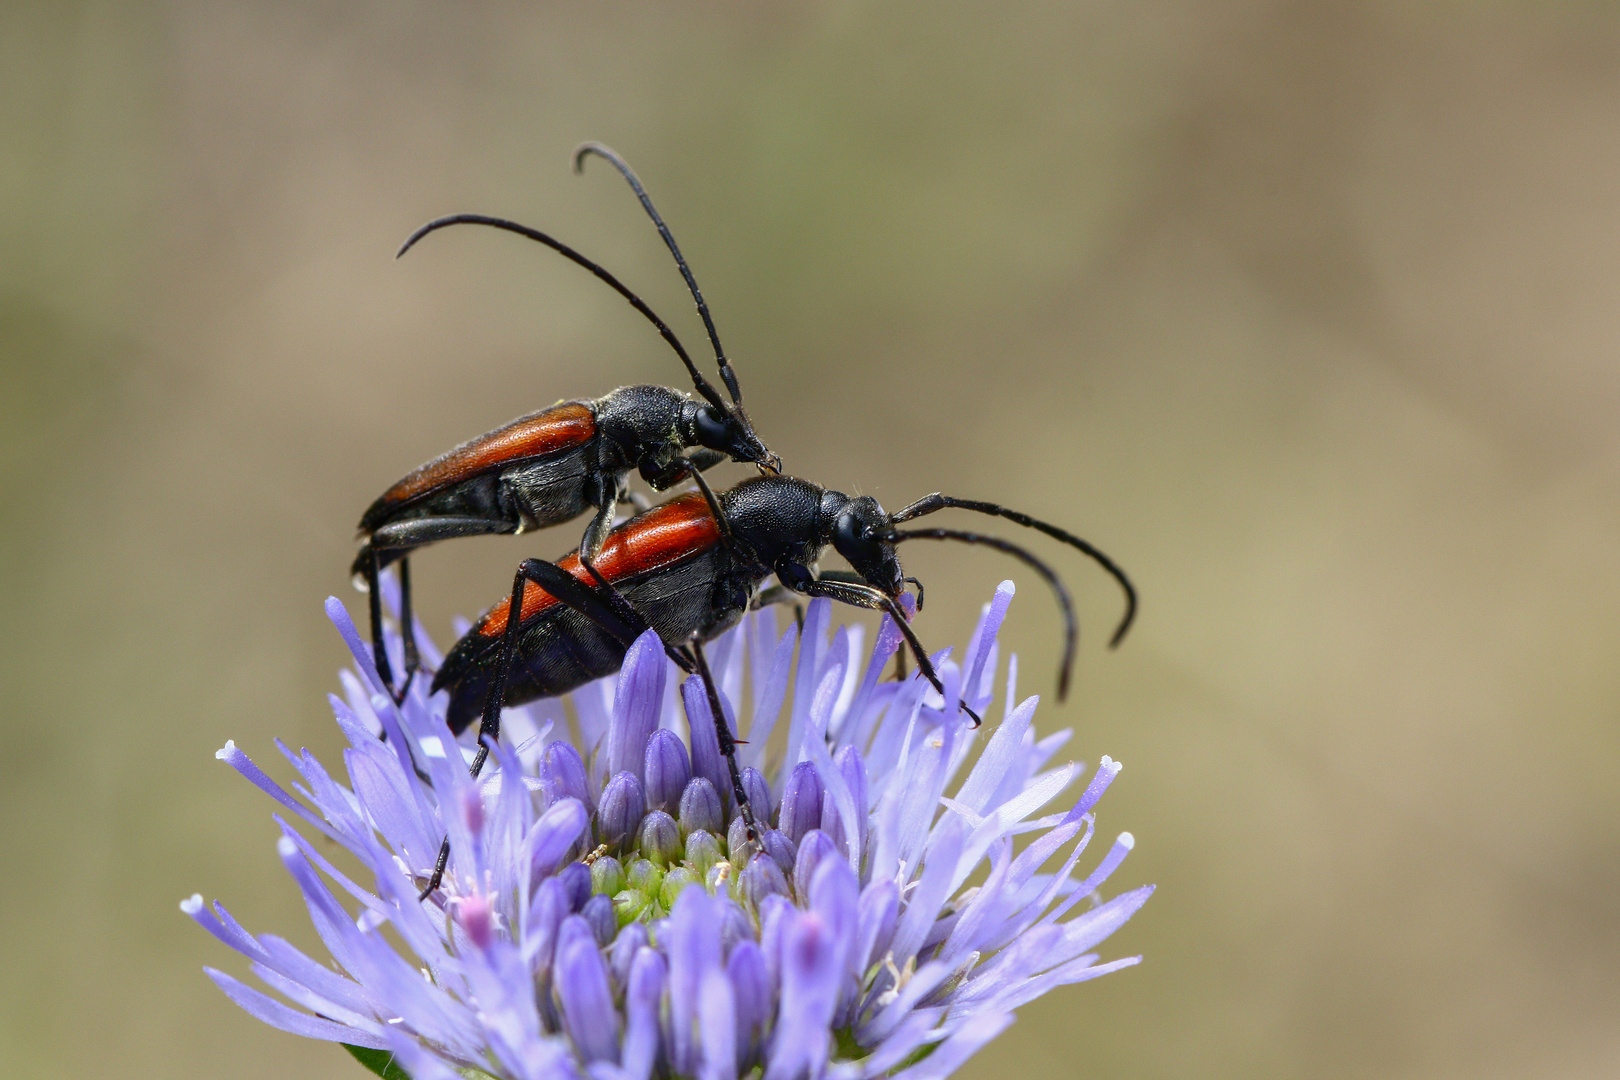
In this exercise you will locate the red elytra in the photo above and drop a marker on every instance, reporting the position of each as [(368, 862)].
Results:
[(663, 536), (560, 427)]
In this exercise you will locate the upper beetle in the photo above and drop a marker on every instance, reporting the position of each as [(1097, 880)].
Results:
[(551, 466)]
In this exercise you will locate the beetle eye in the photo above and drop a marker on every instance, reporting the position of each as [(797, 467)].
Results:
[(846, 532), (713, 431)]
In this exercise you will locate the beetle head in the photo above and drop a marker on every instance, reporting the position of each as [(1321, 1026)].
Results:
[(729, 432), (859, 534)]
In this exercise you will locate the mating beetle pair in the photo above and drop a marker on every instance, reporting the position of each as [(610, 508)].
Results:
[(687, 569)]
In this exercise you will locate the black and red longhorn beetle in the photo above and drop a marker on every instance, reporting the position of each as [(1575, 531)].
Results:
[(550, 466), (689, 569)]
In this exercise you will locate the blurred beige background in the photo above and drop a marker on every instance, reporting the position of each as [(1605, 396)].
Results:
[(1307, 313)]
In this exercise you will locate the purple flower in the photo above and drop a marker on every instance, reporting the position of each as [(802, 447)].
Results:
[(605, 915)]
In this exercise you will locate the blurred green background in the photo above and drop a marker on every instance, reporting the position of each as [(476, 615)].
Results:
[(1307, 313)]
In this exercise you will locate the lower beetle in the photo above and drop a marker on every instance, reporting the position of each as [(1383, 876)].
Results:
[(689, 569)]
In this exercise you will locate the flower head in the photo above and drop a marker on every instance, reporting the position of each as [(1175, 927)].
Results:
[(606, 914)]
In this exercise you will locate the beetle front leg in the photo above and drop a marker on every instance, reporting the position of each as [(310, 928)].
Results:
[(800, 580)]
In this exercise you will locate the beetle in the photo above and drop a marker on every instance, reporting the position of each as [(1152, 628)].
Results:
[(689, 569), (550, 466)]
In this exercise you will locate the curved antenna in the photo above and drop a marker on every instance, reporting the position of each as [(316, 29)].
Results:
[(929, 504), (1071, 628), (703, 385), (583, 151)]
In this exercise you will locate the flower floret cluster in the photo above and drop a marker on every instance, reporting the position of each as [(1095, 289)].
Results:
[(606, 912)]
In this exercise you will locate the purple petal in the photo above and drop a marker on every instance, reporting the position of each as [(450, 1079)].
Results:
[(277, 1015), (771, 671), (576, 882), (632, 939), (637, 704), (761, 878), (717, 1016), (587, 1000), (1107, 769), (694, 950), (755, 993), (1116, 855), (546, 913), (706, 759), (815, 846), (963, 1044), (922, 907), (553, 837), (759, 794), (784, 852), (563, 775), (810, 978), (877, 915), (641, 1003), (598, 911), (975, 659), (812, 646)]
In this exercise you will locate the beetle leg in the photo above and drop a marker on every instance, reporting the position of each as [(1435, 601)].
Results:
[(596, 533), (396, 538), (867, 597), (727, 741), (776, 594), (727, 540), (379, 649), (407, 630), (704, 460), (394, 543)]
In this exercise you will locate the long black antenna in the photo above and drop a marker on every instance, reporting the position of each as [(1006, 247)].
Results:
[(703, 385), (929, 504), (1071, 628), (727, 376)]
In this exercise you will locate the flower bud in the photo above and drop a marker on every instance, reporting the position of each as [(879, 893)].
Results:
[(643, 877), (758, 792), (700, 807), (623, 952), (801, 801), (576, 882), (598, 911), (660, 838), (562, 775), (762, 878), (702, 851), (737, 841), (674, 881), (607, 876), (780, 848), (815, 847), (630, 906), (619, 817), (666, 770)]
